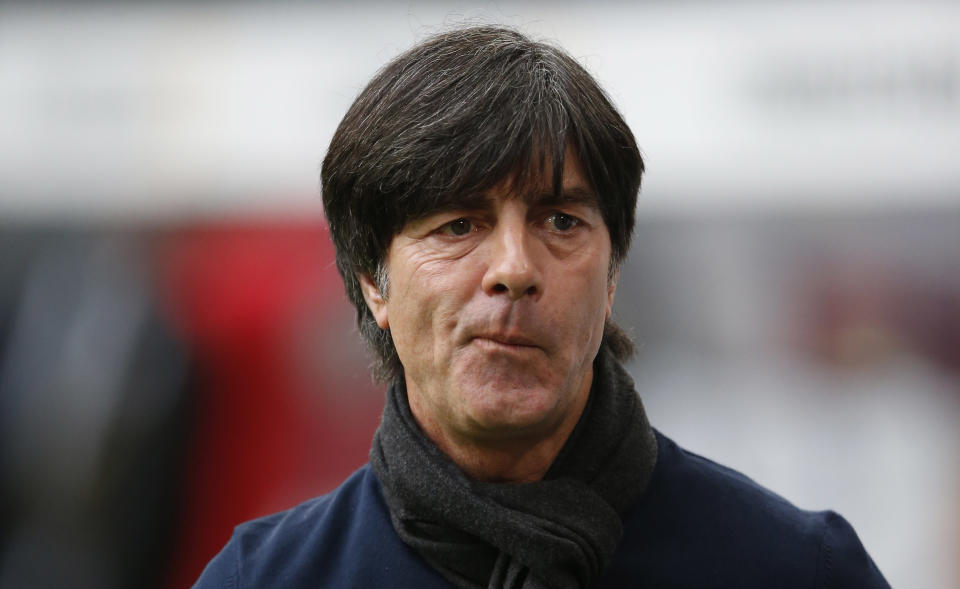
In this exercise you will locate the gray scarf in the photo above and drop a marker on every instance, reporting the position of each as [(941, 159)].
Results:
[(560, 532)]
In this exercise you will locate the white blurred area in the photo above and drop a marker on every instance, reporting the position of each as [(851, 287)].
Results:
[(739, 105), (795, 280)]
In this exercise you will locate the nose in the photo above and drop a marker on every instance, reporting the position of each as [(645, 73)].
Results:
[(512, 268)]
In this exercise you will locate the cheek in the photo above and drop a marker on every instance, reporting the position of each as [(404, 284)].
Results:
[(593, 305), (422, 306)]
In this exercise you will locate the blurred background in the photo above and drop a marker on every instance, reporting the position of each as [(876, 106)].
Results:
[(177, 354)]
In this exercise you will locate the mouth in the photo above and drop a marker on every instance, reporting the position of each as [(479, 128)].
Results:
[(509, 341)]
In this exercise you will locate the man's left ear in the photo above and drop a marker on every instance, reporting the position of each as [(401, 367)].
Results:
[(611, 291)]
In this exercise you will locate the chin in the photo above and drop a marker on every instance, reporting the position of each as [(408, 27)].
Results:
[(508, 406)]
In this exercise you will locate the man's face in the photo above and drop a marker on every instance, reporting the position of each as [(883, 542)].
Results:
[(497, 309)]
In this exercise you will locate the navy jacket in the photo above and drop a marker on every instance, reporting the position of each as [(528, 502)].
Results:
[(697, 525)]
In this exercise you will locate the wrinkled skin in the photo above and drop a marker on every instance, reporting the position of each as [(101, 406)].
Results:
[(496, 310)]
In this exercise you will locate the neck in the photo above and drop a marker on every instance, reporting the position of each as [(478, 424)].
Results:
[(504, 456), (515, 461)]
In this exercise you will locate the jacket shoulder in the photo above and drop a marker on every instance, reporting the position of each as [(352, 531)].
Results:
[(342, 539), (709, 525)]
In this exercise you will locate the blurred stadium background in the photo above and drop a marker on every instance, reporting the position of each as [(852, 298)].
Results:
[(177, 355)]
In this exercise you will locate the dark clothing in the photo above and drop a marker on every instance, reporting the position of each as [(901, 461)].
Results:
[(697, 525)]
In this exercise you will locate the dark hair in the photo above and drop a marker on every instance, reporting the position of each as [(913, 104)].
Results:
[(458, 114)]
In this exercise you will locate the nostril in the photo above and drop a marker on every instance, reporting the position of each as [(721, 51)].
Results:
[(500, 287)]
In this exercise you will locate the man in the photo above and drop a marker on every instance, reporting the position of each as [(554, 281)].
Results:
[(480, 193)]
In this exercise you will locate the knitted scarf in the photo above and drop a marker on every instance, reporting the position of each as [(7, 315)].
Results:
[(559, 532)]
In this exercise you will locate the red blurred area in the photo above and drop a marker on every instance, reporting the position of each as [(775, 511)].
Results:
[(284, 405)]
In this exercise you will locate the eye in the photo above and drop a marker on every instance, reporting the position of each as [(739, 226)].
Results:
[(457, 227), (562, 222)]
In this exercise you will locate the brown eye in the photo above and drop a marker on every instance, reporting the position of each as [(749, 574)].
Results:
[(562, 222), (458, 227)]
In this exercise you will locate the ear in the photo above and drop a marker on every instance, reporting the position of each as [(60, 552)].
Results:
[(611, 291), (375, 301)]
